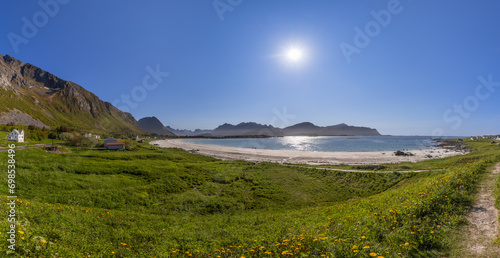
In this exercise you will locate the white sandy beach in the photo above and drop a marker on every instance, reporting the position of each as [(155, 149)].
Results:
[(302, 157)]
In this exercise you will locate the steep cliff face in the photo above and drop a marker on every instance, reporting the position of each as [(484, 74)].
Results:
[(51, 101)]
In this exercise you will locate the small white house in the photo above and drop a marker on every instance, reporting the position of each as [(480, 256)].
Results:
[(89, 135), (16, 135)]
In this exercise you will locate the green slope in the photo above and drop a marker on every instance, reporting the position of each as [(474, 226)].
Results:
[(170, 203), (54, 101)]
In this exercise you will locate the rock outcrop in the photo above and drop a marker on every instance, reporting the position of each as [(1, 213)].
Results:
[(29, 91)]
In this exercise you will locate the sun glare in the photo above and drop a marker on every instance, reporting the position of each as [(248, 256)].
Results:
[(294, 54)]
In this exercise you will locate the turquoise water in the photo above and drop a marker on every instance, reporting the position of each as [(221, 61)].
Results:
[(328, 143)]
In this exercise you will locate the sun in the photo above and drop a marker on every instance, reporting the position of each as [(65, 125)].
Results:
[(294, 54)]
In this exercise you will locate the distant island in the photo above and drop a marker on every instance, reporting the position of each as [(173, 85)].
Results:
[(252, 129)]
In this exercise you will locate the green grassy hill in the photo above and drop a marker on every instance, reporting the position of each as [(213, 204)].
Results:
[(169, 203), (29, 95)]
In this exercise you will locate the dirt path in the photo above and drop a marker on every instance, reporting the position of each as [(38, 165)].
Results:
[(358, 171), (483, 219), (26, 147)]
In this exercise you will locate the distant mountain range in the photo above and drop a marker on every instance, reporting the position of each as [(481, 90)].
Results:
[(301, 129), (153, 125), (32, 96), (188, 132)]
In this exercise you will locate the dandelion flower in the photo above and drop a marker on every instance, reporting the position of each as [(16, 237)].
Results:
[(373, 254), (407, 244)]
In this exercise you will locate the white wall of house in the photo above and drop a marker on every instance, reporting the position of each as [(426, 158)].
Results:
[(16, 135)]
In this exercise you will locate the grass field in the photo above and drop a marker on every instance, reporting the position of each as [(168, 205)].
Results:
[(4, 143), (152, 202)]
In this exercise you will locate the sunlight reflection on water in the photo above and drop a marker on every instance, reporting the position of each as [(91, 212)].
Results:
[(301, 143), (327, 143)]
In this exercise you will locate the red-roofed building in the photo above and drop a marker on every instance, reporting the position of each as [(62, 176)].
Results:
[(113, 144)]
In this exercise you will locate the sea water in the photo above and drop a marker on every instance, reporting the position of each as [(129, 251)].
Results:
[(328, 143)]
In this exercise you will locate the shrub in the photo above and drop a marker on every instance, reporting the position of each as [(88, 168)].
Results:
[(66, 136)]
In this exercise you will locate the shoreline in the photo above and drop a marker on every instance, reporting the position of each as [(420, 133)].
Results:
[(304, 157)]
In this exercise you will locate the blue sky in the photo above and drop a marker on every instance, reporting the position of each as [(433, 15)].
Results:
[(404, 67)]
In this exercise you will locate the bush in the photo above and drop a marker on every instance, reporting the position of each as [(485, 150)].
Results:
[(89, 142), (81, 141), (66, 136)]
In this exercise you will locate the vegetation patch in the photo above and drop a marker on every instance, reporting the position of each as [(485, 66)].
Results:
[(170, 203)]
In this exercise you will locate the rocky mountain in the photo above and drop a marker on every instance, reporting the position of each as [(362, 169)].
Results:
[(245, 129), (301, 129), (32, 96), (153, 125), (309, 129), (348, 130), (185, 132)]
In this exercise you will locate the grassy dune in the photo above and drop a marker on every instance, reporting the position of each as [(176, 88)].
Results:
[(169, 203)]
